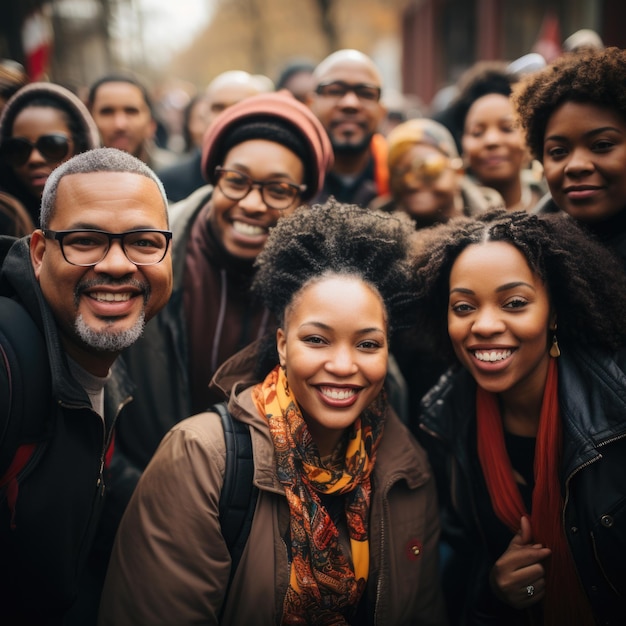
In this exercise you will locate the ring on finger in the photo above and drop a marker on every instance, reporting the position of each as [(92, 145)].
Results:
[(530, 591)]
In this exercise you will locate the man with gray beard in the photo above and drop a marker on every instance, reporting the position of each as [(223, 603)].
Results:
[(89, 278)]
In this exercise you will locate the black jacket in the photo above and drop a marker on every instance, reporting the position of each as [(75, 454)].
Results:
[(61, 490), (592, 400)]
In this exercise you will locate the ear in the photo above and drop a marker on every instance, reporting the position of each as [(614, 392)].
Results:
[(281, 346), (552, 325), (37, 250)]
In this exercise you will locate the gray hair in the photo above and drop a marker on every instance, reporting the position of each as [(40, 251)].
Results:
[(97, 160)]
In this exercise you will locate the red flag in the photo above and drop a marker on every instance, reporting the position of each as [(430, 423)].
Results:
[(37, 38), (548, 43)]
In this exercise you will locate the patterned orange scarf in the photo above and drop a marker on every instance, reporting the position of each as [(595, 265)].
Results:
[(325, 584), (565, 601)]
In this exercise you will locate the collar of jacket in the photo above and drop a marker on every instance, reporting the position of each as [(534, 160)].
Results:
[(592, 400), (18, 275), (396, 455)]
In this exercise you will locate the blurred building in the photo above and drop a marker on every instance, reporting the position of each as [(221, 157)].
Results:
[(441, 38)]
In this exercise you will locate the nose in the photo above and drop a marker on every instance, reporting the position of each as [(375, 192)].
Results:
[(349, 100), (579, 162), (115, 262), (253, 202), (488, 322), (341, 362), (120, 119), (492, 136), (36, 157)]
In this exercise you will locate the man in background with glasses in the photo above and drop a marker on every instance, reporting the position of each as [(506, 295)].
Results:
[(97, 269), (346, 100)]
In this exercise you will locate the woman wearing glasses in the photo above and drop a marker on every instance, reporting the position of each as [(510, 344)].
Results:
[(42, 126), (264, 156)]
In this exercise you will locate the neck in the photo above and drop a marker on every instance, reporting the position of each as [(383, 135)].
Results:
[(347, 163), (97, 364), (511, 192)]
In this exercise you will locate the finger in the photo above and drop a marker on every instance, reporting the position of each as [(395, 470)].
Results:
[(525, 530)]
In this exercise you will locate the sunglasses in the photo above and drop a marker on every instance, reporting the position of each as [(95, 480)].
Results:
[(15, 151)]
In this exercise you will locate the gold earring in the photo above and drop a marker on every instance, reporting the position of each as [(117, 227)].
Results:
[(555, 351)]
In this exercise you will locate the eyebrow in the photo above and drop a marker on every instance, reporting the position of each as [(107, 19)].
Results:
[(595, 131), (505, 287), (322, 326)]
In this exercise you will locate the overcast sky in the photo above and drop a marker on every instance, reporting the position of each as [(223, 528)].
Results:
[(170, 25)]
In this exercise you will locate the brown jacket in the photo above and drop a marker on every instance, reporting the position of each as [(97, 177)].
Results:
[(170, 564)]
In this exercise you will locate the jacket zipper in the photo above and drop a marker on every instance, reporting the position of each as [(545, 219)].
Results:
[(566, 502)]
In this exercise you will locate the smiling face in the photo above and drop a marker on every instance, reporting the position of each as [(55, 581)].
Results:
[(101, 309), (498, 319), (426, 185), (492, 144), (584, 158), (334, 348), (349, 121), (242, 226), (31, 123)]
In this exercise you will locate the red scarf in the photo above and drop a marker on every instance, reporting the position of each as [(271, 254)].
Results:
[(565, 601)]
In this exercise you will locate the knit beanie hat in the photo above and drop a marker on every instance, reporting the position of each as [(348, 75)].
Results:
[(276, 117), (416, 131)]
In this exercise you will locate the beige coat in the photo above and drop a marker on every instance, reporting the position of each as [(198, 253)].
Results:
[(170, 564)]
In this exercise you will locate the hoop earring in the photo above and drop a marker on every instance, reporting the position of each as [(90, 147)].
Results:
[(555, 351)]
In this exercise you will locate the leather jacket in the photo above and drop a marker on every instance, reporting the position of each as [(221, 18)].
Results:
[(592, 400)]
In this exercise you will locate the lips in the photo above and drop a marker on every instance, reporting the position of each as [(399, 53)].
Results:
[(338, 397), (581, 192)]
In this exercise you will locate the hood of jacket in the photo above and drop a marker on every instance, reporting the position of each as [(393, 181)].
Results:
[(17, 280)]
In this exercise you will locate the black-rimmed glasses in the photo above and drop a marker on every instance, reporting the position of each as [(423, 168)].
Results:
[(276, 194), (88, 247), (338, 89), (15, 151)]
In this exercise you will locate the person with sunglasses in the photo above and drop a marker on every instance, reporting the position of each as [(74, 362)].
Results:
[(41, 126), (346, 100), (87, 281), (264, 157)]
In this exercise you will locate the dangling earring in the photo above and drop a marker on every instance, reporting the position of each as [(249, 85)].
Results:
[(555, 351)]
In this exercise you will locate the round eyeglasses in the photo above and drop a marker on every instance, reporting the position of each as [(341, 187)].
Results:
[(15, 151), (276, 194), (88, 247)]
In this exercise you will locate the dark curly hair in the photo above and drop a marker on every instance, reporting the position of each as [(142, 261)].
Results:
[(595, 77), (332, 239), (586, 284)]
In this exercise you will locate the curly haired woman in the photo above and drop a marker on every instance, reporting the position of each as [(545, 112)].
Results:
[(526, 433), (346, 525), (574, 116)]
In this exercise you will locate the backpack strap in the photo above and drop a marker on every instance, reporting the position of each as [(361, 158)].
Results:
[(25, 394), (239, 494)]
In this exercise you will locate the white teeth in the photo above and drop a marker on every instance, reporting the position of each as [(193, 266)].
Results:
[(110, 297), (337, 394), (248, 229), (492, 355)]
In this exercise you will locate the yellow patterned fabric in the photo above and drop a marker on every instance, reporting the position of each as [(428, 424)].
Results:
[(325, 584)]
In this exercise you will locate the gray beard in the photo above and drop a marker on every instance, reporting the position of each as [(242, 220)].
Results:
[(109, 341)]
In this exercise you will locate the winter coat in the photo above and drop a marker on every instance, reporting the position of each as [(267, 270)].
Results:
[(158, 362), (592, 401), (61, 489), (170, 564)]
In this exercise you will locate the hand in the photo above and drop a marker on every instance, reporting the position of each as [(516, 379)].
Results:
[(518, 576)]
